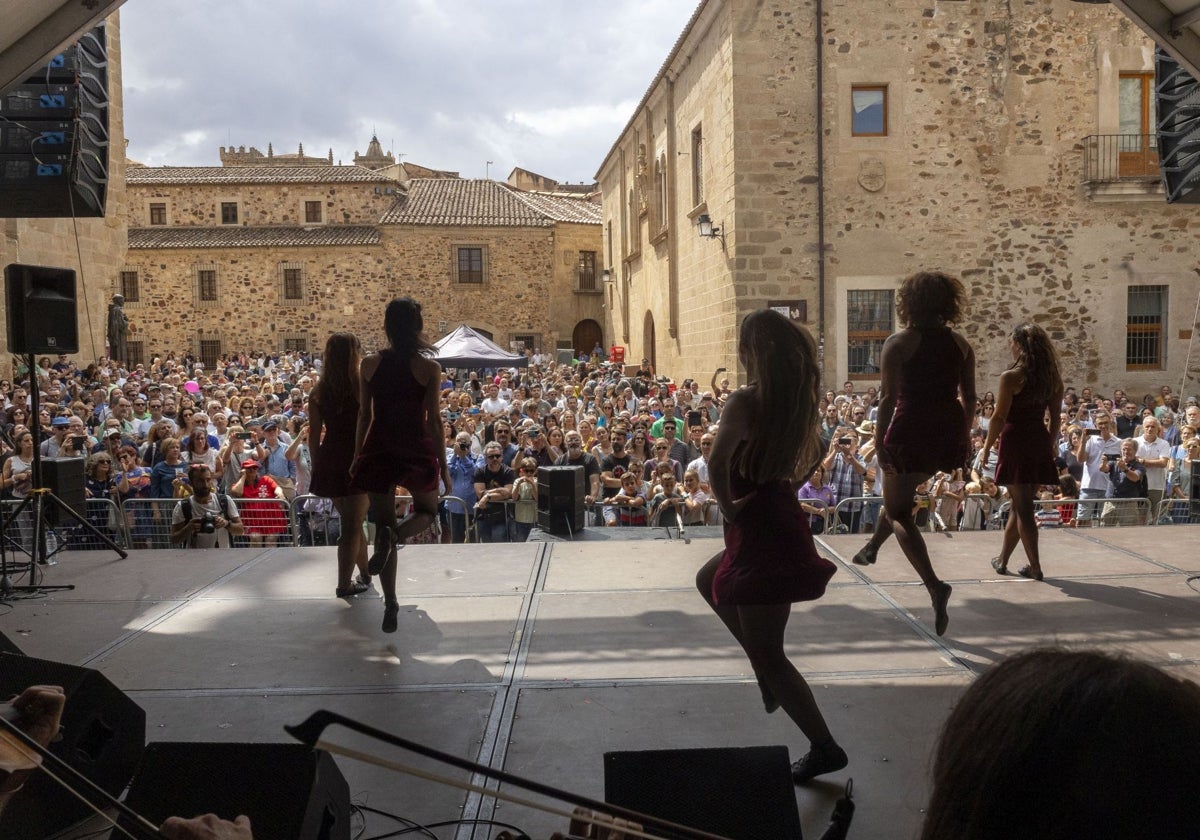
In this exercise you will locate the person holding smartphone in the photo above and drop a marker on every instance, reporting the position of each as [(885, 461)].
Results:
[(1091, 451)]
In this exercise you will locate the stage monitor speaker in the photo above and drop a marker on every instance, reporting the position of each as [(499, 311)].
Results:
[(54, 145), (743, 793), (40, 304), (289, 791), (560, 500), (65, 479), (103, 735), (1177, 98)]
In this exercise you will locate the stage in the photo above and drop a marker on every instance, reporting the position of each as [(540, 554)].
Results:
[(540, 657)]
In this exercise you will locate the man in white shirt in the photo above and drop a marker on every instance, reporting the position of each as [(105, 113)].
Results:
[(700, 465), (492, 404), (1091, 452), (1155, 454)]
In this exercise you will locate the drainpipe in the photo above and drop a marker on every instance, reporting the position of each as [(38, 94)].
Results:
[(820, 185)]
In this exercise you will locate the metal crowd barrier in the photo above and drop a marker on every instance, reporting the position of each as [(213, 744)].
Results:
[(63, 531)]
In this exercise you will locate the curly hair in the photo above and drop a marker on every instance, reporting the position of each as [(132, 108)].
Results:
[(930, 298)]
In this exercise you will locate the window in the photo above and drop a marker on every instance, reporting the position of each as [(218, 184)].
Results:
[(210, 351), (1137, 153), (295, 343), (229, 213), (129, 286), (868, 107), (1147, 312), (206, 284), (470, 264), (587, 271), (312, 212), (528, 341), (158, 213), (870, 319), (136, 351), (291, 282), (697, 166)]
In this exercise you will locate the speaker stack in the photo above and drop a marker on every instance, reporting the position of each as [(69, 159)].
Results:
[(560, 500), (54, 136), (1177, 97), (65, 478)]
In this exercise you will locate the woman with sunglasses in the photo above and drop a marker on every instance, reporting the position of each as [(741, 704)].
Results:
[(100, 483)]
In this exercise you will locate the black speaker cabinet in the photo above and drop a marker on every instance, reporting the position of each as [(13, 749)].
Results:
[(41, 310), (744, 793), (65, 479), (289, 791), (560, 499), (103, 735)]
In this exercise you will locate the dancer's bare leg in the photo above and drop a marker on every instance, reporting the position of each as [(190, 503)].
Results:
[(423, 515), (351, 546), (1022, 514), (729, 616), (898, 492)]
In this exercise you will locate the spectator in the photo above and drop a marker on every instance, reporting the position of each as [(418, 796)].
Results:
[(275, 463), (613, 467), (1092, 451), (168, 477), (133, 482), (846, 471), (628, 503), (576, 457), (524, 495), (668, 501), (1129, 421), (205, 519), (493, 487), (816, 489), (463, 467), (1127, 480), (662, 458), (700, 465), (265, 519), (1154, 453)]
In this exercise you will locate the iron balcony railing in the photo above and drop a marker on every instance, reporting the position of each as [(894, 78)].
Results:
[(1120, 157)]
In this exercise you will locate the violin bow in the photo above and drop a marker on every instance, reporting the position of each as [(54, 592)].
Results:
[(310, 730), (66, 775)]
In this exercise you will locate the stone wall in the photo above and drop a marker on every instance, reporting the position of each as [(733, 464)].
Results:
[(100, 242), (980, 174), (261, 204), (568, 305)]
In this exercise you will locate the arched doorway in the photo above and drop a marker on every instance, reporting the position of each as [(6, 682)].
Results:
[(648, 341), (586, 336)]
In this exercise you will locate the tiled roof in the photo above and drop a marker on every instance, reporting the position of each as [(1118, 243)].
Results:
[(252, 237), (136, 175), (561, 208), (444, 201), (431, 201)]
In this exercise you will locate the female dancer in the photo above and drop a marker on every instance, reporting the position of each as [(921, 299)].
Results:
[(1028, 389), (399, 440), (926, 407), (333, 417), (769, 440)]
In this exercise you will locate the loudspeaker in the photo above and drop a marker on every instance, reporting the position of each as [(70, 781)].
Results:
[(1177, 98), (54, 149), (744, 793), (289, 791), (40, 304), (103, 735), (65, 479), (560, 499)]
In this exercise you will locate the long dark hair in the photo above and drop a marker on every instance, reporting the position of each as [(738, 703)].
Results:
[(1062, 727), (1036, 361), (404, 326), (781, 362), (338, 386)]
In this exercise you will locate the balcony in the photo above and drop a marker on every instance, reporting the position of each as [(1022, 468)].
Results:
[(1121, 167)]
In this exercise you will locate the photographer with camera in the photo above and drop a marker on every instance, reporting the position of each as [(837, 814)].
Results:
[(58, 445), (462, 466), (1127, 480), (205, 519)]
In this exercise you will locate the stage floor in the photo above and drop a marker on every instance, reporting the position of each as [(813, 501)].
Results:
[(540, 657)]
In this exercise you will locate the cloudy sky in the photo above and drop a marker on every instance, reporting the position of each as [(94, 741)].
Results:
[(449, 84)]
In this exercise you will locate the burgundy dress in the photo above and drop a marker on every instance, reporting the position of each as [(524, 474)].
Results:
[(770, 557), (927, 432), (397, 448), (1025, 451), (331, 457)]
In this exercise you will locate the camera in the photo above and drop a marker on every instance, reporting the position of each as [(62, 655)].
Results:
[(243, 436), (78, 441), (208, 524), (844, 441), (1112, 459)]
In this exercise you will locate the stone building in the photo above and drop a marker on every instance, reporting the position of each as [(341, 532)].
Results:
[(93, 247), (232, 258), (1006, 143)]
